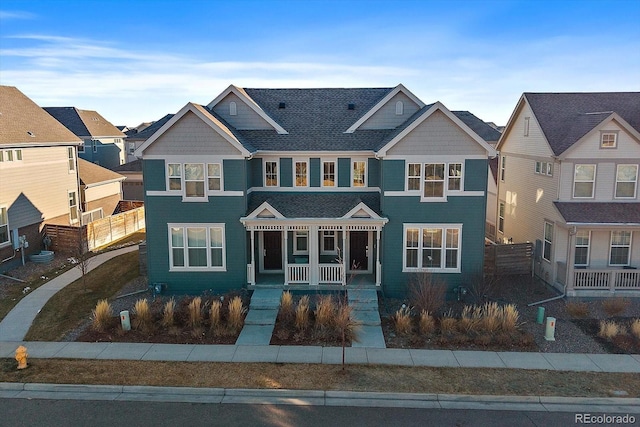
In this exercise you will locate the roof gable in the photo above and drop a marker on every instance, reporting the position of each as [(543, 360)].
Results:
[(603, 121), (84, 123)]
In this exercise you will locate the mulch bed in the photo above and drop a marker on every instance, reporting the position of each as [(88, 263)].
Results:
[(620, 344)]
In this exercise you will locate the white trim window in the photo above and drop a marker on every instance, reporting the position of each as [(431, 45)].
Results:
[(503, 167), (608, 139), (194, 180), (81, 147), (174, 176), (359, 173), (4, 226), (329, 242), (197, 247), (527, 120), (329, 173), (131, 146), (583, 239), (300, 242), (584, 181), (399, 108), (548, 241), (214, 176), (626, 181), (270, 173), (301, 173), (414, 176), (432, 247), (501, 210), (433, 185), (233, 108), (620, 249), (73, 206), (71, 158), (94, 143), (454, 176), (544, 168)]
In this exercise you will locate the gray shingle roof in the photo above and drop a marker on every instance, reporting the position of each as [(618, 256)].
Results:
[(483, 129), (84, 123), (599, 212), (314, 205), (566, 117), (90, 173), (133, 166), (149, 130)]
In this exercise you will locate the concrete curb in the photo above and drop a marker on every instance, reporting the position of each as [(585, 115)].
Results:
[(318, 398)]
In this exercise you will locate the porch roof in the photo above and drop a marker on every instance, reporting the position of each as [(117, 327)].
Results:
[(314, 205), (599, 213)]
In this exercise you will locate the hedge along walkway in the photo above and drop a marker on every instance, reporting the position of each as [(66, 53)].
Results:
[(16, 324)]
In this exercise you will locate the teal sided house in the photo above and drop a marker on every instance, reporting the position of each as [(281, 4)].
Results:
[(315, 189)]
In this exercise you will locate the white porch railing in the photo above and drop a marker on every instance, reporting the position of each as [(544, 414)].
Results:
[(331, 273), (607, 279), (251, 279), (298, 273)]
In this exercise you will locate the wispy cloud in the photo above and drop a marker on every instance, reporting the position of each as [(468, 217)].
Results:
[(10, 14)]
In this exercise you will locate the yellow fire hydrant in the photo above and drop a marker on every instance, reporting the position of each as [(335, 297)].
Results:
[(21, 357)]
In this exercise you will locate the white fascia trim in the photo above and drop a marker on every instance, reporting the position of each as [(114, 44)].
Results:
[(264, 206), (612, 117), (27, 144), (321, 154), (316, 189), (250, 103), (491, 152), (383, 101), (361, 206), (178, 193), (191, 158), (441, 158), (510, 124), (205, 117), (247, 222), (416, 193), (110, 181)]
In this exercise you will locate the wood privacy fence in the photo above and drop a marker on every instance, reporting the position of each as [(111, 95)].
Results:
[(508, 259), (97, 233)]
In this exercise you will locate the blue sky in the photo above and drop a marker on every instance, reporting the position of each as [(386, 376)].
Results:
[(135, 61)]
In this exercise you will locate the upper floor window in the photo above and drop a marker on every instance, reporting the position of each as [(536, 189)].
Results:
[(526, 125), (301, 174), (132, 147), (174, 173), (214, 175), (455, 177), (626, 180), (329, 173), (431, 247), (583, 238), (620, 249), (359, 174), (399, 108), (548, 241), (81, 147), (233, 109), (4, 226), (608, 139), (191, 178), (413, 176), (271, 173), (501, 217), (433, 180), (503, 165), (71, 159), (584, 181), (94, 143), (544, 168), (73, 206), (194, 179)]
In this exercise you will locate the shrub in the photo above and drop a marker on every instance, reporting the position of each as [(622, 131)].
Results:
[(426, 292), (615, 306), (215, 315), (448, 323), (509, 318), (236, 314), (168, 313), (142, 320), (577, 310), (482, 288), (302, 313), (402, 321), (286, 306), (482, 340), (102, 315), (346, 326), (427, 323), (195, 313), (325, 312), (608, 329), (635, 328)]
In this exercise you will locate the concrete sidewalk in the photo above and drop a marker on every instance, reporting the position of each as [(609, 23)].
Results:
[(327, 355), (17, 322)]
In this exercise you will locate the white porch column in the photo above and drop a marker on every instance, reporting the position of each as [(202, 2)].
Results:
[(570, 261), (314, 256), (378, 264), (252, 278), (286, 255), (345, 260)]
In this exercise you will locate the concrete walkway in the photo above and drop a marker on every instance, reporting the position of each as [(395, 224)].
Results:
[(261, 317), (17, 322), (364, 304)]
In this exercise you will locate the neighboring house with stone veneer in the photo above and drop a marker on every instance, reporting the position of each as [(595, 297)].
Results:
[(568, 180), (38, 172), (103, 142), (314, 189)]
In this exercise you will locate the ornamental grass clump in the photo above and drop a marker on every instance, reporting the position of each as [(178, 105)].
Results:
[(142, 319), (402, 321), (577, 310), (102, 315), (448, 323), (509, 318), (302, 314), (168, 313), (236, 314), (491, 315), (615, 306), (426, 324), (195, 313), (215, 315), (635, 328), (325, 312), (469, 320), (286, 306), (609, 329)]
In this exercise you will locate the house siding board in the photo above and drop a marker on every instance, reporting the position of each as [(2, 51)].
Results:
[(473, 169), (191, 136), (245, 119), (393, 172), (437, 135), (626, 145), (254, 177), (386, 118), (533, 145), (373, 168), (154, 175), (225, 210), (234, 174), (43, 179), (315, 172), (344, 172), (286, 172)]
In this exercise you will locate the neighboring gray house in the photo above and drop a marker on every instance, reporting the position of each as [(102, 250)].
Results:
[(103, 142), (568, 180), (137, 136), (133, 186), (100, 190)]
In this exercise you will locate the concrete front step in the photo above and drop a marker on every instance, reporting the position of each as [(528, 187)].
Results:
[(261, 317), (368, 318), (370, 336), (255, 335), (265, 299)]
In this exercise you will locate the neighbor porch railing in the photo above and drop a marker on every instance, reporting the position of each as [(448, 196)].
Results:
[(298, 273), (607, 279), (331, 273)]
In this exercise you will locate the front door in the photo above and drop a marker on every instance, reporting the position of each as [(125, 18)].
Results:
[(272, 250), (358, 245)]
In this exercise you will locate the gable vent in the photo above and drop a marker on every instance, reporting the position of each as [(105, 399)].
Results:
[(282, 105), (351, 106)]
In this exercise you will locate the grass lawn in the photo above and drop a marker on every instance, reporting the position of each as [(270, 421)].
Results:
[(73, 304), (322, 377)]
